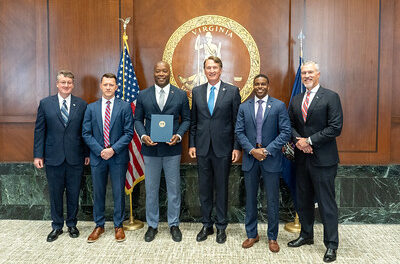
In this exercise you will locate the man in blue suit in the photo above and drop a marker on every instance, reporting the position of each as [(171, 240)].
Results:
[(164, 99), (107, 130), (262, 128), (58, 143)]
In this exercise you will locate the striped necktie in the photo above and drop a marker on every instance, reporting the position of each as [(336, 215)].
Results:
[(106, 129), (64, 112), (304, 107)]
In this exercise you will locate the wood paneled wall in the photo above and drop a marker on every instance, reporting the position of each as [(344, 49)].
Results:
[(357, 44)]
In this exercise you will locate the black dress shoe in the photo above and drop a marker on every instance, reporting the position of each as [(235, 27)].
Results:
[(300, 241), (150, 234), (54, 235), (176, 233), (330, 255), (221, 236), (73, 231), (204, 232)]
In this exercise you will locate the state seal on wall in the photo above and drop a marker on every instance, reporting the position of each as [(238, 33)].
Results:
[(212, 35)]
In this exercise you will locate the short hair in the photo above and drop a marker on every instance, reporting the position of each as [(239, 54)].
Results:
[(65, 73), (311, 63), (261, 75), (213, 58), (108, 75)]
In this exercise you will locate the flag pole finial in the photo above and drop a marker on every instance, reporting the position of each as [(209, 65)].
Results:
[(125, 24), (301, 37)]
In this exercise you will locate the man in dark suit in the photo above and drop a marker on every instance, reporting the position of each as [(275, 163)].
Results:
[(107, 130), (212, 140), (262, 128), (58, 144), (316, 117), (162, 99)]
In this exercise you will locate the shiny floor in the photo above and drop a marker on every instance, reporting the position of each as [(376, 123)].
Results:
[(25, 242)]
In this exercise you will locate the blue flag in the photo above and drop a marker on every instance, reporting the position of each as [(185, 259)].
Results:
[(289, 172)]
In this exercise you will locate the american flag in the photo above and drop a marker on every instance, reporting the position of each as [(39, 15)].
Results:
[(128, 90)]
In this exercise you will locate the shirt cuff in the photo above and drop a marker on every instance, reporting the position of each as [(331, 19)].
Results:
[(309, 140), (180, 138)]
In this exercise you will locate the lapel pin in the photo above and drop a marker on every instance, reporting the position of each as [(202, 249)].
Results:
[(269, 106), (223, 89), (172, 91), (73, 104)]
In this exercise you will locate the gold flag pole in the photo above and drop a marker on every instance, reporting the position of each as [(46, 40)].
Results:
[(295, 226), (132, 223)]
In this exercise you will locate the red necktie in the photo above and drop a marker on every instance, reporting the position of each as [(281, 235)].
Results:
[(304, 107), (107, 125)]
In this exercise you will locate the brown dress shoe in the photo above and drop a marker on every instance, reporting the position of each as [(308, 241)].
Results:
[(119, 234), (248, 243), (273, 246), (95, 234)]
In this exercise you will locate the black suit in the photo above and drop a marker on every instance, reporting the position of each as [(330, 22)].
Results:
[(214, 139), (315, 173), (63, 151)]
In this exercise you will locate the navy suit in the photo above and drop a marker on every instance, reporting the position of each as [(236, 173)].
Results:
[(315, 173), (213, 136), (63, 151), (162, 156), (121, 133), (275, 133)]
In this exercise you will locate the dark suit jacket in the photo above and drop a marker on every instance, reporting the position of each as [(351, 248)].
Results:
[(54, 142), (216, 129), (121, 131), (177, 104), (275, 133), (324, 123)]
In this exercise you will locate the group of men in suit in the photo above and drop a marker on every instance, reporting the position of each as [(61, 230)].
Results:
[(219, 128)]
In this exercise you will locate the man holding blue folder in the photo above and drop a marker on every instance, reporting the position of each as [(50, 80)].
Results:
[(155, 105)]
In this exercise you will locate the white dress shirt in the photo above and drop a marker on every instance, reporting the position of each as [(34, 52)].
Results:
[(217, 85), (312, 95), (263, 105), (103, 107), (158, 92), (68, 101)]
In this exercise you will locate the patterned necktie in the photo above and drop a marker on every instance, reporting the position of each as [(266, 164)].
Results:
[(161, 100), (304, 107), (211, 100), (259, 119), (107, 125), (64, 112)]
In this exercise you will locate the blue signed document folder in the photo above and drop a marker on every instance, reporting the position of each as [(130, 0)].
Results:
[(161, 128)]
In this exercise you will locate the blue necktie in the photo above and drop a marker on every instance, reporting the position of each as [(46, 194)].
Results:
[(64, 112), (259, 120), (211, 100)]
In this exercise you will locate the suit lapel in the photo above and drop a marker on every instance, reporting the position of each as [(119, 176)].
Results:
[(221, 94), (171, 95), (99, 116), (57, 108), (252, 111), (73, 108), (268, 107), (153, 97), (203, 96), (115, 112)]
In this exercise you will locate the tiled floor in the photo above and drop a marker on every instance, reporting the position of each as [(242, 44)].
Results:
[(25, 242)]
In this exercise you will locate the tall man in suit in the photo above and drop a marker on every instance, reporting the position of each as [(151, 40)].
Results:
[(58, 143), (107, 130), (212, 140), (262, 128), (162, 99), (316, 117)]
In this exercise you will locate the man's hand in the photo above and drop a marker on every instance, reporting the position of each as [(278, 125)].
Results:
[(259, 154), (173, 140), (303, 145), (147, 140), (107, 153), (38, 162), (87, 160), (236, 155), (192, 152)]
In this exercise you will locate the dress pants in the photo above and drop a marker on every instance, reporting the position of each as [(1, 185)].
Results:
[(271, 187), (153, 167), (319, 182), (60, 178), (213, 174), (100, 174)]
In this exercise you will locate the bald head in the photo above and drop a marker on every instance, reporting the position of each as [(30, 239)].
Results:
[(161, 73)]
